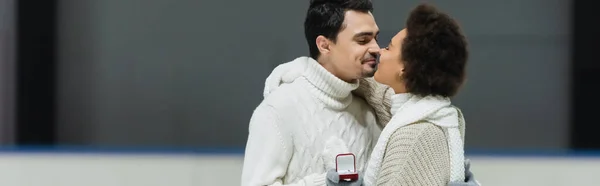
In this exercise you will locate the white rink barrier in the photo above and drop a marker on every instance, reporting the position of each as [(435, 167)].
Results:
[(48, 168)]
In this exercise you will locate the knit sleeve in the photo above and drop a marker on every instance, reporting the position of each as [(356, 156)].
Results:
[(378, 96), (268, 152), (416, 154)]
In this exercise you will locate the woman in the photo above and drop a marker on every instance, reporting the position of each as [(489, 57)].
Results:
[(423, 142)]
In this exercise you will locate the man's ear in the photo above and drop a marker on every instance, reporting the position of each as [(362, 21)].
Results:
[(323, 44)]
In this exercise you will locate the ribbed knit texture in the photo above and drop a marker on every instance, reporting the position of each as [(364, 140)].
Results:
[(378, 96), (288, 130), (416, 154), (411, 110)]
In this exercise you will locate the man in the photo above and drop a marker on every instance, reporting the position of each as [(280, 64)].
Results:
[(297, 130), (309, 113)]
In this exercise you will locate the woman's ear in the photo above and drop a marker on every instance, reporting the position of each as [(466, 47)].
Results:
[(400, 74), (323, 44)]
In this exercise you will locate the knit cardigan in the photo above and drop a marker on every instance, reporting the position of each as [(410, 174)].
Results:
[(422, 144)]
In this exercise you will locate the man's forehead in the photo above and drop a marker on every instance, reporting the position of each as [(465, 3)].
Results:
[(359, 22)]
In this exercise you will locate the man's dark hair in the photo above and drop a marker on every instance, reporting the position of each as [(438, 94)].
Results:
[(434, 53), (325, 17)]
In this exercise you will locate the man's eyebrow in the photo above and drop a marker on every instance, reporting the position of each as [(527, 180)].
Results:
[(366, 34)]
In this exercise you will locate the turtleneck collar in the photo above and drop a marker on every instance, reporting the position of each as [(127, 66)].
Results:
[(330, 89)]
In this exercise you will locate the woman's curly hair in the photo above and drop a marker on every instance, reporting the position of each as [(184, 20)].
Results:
[(434, 53)]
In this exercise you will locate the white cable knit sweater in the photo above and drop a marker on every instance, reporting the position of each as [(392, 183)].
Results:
[(288, 130)]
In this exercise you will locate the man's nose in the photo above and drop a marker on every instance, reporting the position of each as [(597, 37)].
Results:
[(374, 50)]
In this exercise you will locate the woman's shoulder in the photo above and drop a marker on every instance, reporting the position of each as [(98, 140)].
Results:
[(411, 152), (420, 129), (417, 134)]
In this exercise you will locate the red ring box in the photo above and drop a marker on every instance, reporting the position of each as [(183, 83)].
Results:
[(345, 166)]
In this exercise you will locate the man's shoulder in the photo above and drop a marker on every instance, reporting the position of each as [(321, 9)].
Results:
[(287, 96), (284, 105)]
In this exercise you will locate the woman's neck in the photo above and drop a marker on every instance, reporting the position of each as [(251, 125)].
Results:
[(399, 88)]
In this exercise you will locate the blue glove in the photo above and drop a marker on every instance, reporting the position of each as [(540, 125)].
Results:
[(469, 177), (333, 179)]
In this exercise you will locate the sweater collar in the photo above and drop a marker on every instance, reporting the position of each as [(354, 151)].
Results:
[(328, 88)]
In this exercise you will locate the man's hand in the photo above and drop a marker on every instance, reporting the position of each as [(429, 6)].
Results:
[(334, 146), (333, 179)]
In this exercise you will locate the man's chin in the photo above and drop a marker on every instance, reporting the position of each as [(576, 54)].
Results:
[(370, 73)]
